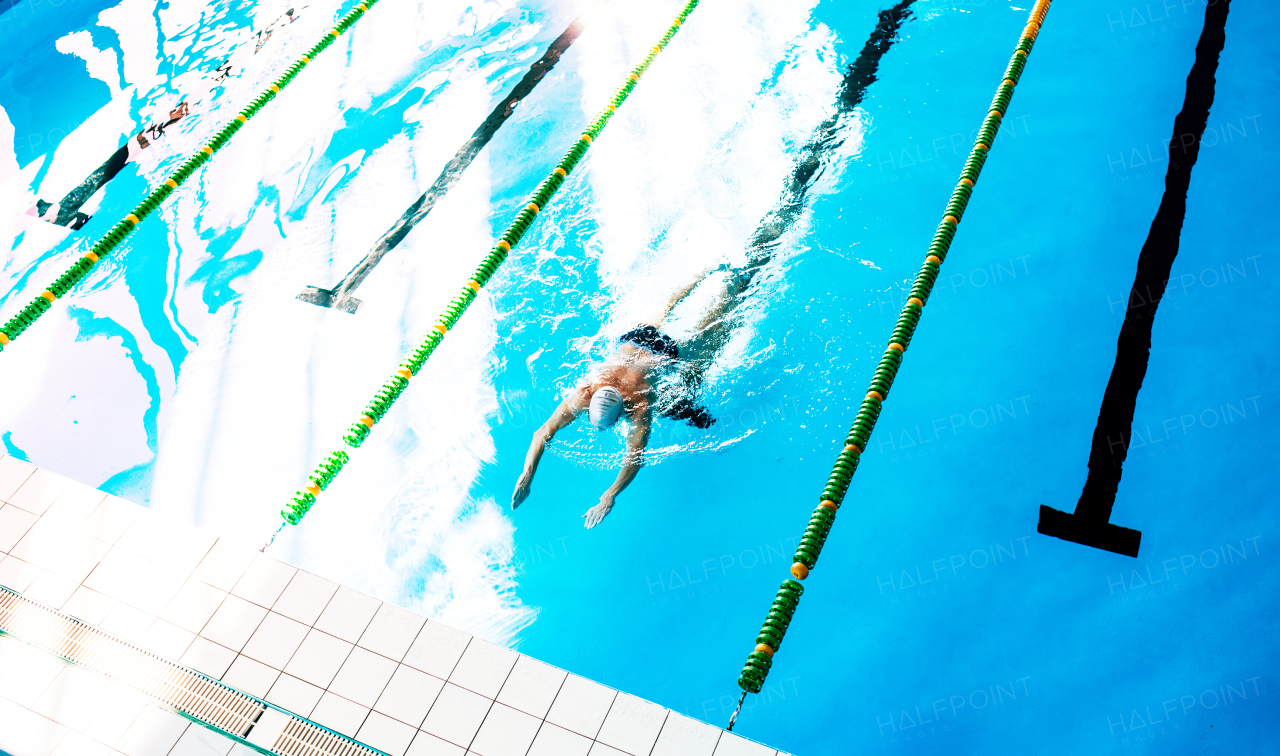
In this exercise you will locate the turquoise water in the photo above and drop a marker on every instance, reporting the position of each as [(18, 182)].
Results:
[(185, 375)]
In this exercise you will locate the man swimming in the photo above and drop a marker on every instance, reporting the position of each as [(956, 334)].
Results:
[(621, 385)]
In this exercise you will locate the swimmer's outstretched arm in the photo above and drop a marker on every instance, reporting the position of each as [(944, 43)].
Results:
[(637, 440), (569, 409)]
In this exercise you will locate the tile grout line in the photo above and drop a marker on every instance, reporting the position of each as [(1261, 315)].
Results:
[(542, 720)]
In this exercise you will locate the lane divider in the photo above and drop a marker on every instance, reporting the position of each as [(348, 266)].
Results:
[(769, 640), (28, 315), (381, 403)]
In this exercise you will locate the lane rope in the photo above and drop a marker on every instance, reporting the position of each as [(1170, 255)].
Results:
[(28, 315), (391, 390), (760, 660)]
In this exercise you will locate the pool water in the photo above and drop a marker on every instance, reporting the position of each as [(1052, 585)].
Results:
[(185, 375)]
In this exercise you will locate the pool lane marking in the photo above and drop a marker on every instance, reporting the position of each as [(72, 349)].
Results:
[(304, 498), (339, 297), (66, 211), (760, 659), (1090, 524), (24, 318)]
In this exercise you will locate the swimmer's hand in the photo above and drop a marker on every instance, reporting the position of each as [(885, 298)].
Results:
[(522, 489), (597, 513)]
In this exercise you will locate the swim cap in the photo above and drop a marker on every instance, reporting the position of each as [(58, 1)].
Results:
[(606, 407)]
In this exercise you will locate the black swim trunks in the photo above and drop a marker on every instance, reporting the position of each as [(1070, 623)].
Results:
[(651, 339)]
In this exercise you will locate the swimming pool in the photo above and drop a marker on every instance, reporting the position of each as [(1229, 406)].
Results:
[(186, 375)]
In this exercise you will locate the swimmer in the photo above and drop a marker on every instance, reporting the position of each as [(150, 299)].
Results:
[(621, 386)]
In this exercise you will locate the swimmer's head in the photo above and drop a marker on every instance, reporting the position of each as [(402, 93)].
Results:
[(606, 407)]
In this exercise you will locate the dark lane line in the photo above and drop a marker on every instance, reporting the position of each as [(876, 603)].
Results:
[(339, 297), (810, 163), (1090, 524)]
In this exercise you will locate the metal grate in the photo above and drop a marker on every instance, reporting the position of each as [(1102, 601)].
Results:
[(190, 693), (302, 738)]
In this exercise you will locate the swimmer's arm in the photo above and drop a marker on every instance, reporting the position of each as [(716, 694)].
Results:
[(569, 409), (637, 440)]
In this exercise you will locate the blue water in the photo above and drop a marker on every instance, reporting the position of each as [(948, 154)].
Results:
[(187, 377)]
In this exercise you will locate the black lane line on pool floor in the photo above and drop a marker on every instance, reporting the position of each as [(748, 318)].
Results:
[(66, 211), (339, 297), (1090, 524), (809, 165), (860, 75)]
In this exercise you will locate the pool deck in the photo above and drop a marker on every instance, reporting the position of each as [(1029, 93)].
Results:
[(161, 592)]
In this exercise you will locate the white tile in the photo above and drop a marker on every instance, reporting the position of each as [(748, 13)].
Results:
[(425, 744), (339, 714), (73, 506), (267, 730), (409, 695), (225, 563), (556, 741), (483, 668), (114, 712), (33, 736), (17, 574), (11, 715), (456, 715), (127, 623), (30, 673), (135, 581), (111, 519), (632, 725), (505, 732), (14, 524), (65, 743), (531, 686), (348, 614), (581, 706), (201, 741), (437, 649), (184, 548), (193, 605), (682, 736), (53, 590), (32, 489), (153, 733), (732, 745), (292, 694), (240, 749), (167, 641), (52, 547), (305, 597), (87, 746), (69, 699), (386, 734), (600, 749), (13, 473), (264, 581), (89, 606), (276, 640), (318, 658), (362, 677), (146, 535), (208, 657), (10, 651), (234, 623), (252, 677), (392, 631)]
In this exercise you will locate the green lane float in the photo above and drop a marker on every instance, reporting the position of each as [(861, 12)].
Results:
[(377, 409), (112, 239), (815, 535)]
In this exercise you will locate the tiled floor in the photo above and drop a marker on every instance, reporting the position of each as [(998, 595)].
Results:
[(394, 680)]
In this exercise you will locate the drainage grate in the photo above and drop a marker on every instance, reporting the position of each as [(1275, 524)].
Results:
[(193, 695)]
